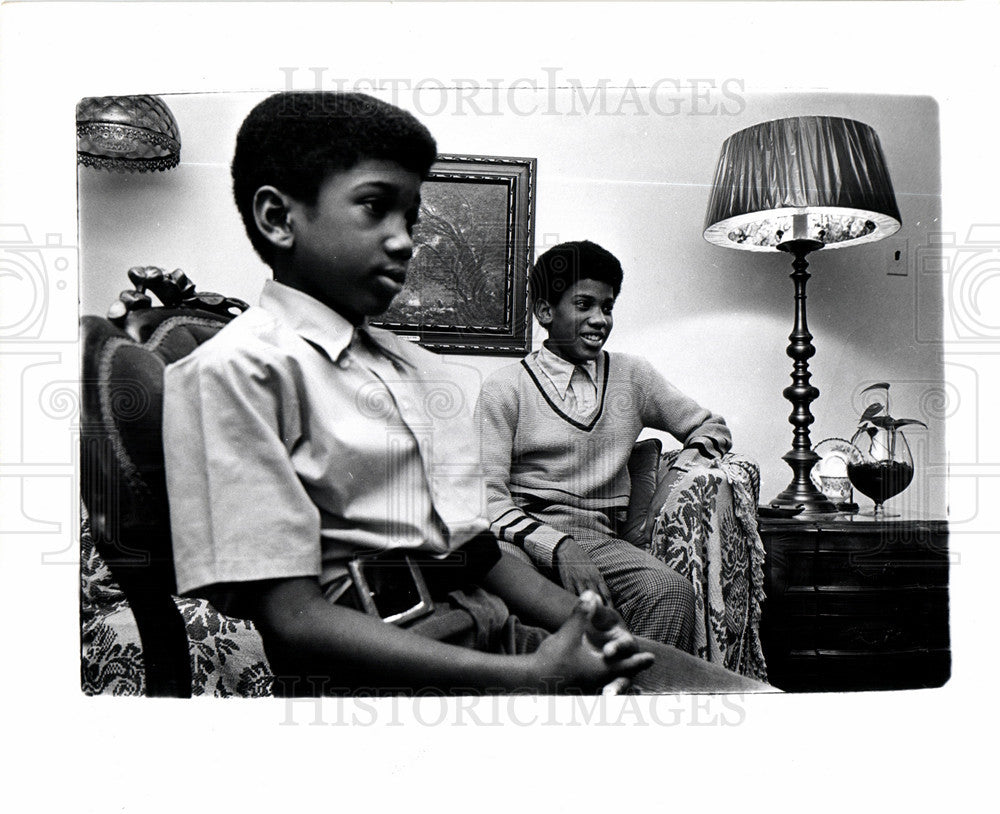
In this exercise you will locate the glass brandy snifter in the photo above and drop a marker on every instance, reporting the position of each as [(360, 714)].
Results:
[(884, 467)]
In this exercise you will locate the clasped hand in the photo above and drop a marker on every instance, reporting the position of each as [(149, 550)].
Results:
[(592, 650)]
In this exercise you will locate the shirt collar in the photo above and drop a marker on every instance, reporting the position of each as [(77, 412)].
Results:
[(559, 371), (323, 327), (318, 324)]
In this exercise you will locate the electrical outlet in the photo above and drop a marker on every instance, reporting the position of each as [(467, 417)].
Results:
[(897, 256)]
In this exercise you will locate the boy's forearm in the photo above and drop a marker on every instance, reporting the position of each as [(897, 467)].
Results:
[(528, 594), (313, 637), (667, 408)]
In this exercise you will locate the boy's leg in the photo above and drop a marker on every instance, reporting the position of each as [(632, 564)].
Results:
[(677, 672), (672, 672), (654, 600)]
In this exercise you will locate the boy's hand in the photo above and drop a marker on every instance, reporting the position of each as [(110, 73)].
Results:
[(577, 571), (580, 656), (608, 633)]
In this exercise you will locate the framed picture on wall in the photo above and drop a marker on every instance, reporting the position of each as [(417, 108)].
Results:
[(467, 284)]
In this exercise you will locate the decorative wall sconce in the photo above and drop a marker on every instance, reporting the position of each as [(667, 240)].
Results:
[(127, 134)]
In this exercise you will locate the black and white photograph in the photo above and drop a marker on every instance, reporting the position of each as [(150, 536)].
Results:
[(369, 388), (812, 570)]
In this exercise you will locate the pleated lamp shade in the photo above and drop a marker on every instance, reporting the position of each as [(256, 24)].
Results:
[(817, 178)]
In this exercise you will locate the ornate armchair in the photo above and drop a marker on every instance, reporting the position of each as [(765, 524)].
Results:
[(137, 637)]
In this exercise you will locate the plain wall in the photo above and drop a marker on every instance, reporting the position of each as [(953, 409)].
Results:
[(634, 175)]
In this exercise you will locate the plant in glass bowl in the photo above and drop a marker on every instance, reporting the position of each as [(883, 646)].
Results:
[(884, 465)]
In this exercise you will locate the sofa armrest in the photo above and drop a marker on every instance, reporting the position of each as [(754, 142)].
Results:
[(221, 655), (643, 471), (704, 524), (653, 480)]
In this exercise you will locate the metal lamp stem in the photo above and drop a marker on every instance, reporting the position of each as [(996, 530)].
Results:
[(801, 458)]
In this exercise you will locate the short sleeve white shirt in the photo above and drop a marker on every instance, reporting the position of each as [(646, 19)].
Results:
[(293, 440)]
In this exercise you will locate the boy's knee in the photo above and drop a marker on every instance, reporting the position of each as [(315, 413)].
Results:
[(666, 610), (681, 592), (689, 599), (668, 587)]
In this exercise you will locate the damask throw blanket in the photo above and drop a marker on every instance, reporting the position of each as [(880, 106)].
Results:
[(707, 532)]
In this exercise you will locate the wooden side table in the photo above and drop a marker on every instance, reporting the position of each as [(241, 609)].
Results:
[(855, 604)]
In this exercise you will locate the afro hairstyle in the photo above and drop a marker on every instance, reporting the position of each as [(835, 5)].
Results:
[(562, 266), (295, 140)]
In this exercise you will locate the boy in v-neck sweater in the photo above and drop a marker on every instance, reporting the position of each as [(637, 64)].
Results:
[(558, 429)]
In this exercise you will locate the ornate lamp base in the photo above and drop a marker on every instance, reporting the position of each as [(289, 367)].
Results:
[(801, 491)]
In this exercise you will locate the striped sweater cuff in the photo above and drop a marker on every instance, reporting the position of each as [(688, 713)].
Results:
[(535, 537), (711, 443)]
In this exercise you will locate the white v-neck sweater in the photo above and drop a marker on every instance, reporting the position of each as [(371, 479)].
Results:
[(535, 455)]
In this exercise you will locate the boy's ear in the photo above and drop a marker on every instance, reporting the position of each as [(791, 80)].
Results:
[(271, 209), (543, 312)]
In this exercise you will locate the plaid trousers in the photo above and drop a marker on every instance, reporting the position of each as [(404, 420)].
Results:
[(655, 601)]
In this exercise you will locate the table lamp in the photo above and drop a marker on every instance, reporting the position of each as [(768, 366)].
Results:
[(127, 134), (798, 185)]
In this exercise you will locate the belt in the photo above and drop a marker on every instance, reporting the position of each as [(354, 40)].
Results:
[(399, 586), (391, 588)]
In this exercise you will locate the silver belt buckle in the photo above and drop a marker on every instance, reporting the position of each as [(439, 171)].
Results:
[(387, 607)]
